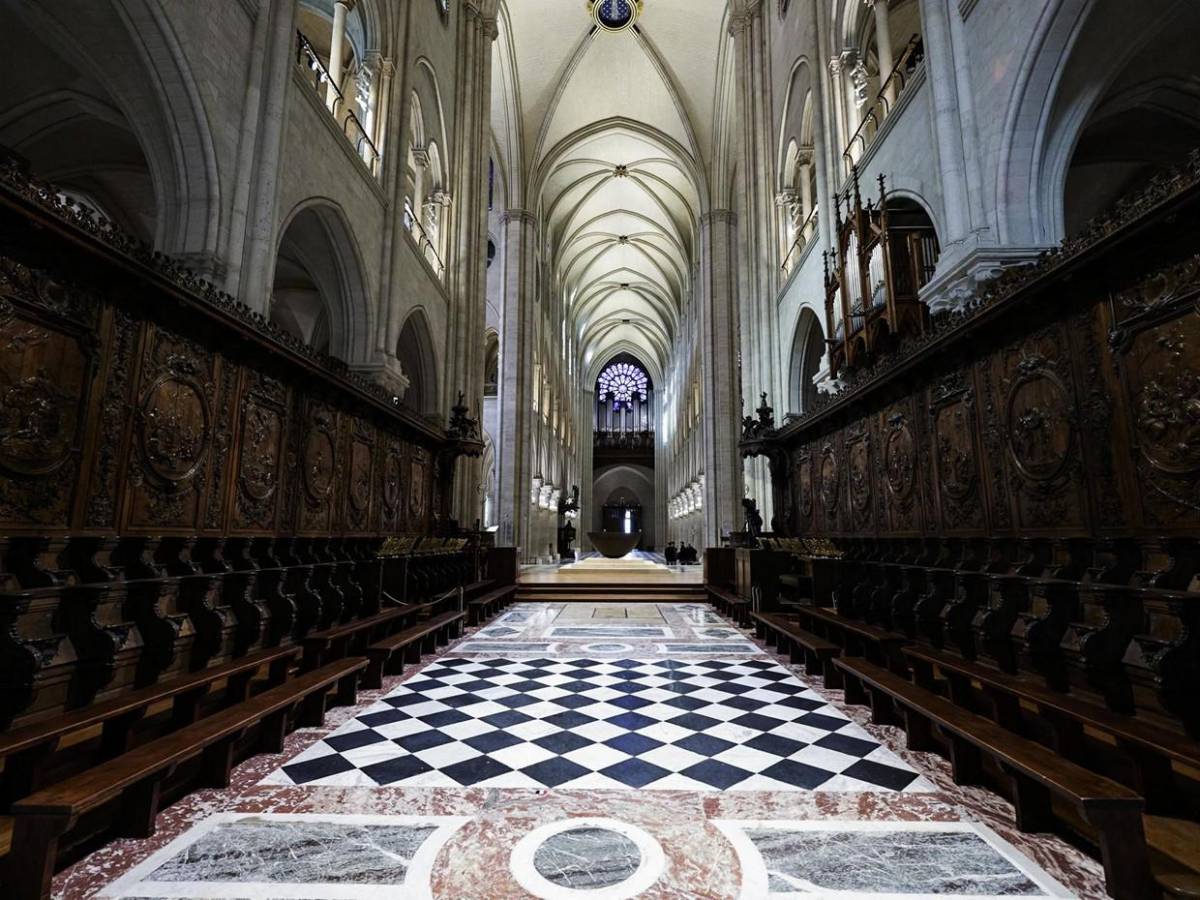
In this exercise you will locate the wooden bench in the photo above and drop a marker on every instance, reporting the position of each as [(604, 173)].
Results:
[(725, 600), (408, 645), (347, 638), (818, 654), (1149, 747), (29, 751), (1036, 773), (856, 638), (135, 779), (489, 604)]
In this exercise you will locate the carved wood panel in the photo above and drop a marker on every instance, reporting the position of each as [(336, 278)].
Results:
[(173, 423), (48, 358), (1037, 469), (318, 462), (1161, 369), (263, 428), (900, 494), (955, 451)]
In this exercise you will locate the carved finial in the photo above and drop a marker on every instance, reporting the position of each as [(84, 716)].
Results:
[(854, 182), (882, 189)]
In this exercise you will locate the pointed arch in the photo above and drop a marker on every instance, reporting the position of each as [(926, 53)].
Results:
[(320, 293), (418, 357)]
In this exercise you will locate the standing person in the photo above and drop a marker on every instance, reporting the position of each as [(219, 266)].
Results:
[(671, 554)]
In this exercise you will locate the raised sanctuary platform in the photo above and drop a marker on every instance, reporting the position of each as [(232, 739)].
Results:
[(602, 568)]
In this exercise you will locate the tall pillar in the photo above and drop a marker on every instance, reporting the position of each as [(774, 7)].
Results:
[(719, 328), (883, 46), (387, 71), (256, 198), (947, 127), (761, 369), (466, 239), (337, 49), (514, 452)]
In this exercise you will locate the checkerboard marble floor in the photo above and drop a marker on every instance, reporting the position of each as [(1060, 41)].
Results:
[(644, 724), (566, 749)]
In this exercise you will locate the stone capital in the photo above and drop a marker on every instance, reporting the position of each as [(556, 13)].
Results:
[(518, 216), (420, 157)]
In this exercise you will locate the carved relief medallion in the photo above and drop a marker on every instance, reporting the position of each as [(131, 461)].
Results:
[(1168, 405), (829, 478), (392, 481), (175, 428), (1040, 423), (35, 419), (360, 475), (804, 485), (955, 448), (259, 477), (859, 473), (899, 457), (318, 464)]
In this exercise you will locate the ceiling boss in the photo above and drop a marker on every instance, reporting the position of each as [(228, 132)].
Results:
[(615, 15)]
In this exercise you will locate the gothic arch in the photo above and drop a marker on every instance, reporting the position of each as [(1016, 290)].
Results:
[(145, 73), (807, 359), (417, 356), (319, 292), (1080, 50)]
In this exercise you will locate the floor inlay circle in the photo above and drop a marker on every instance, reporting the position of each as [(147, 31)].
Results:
[(585, 857), (607, 648)]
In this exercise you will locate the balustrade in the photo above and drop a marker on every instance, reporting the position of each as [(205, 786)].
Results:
[(884, 103), (335, 101)]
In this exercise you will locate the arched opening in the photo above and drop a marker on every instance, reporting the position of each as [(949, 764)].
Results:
[(624, 415), (1146, 122), (318, 294), (1110, 98), (130, 143), (491, 365), (882, 49), (415, 352), (913, 244), (808, 356), (315, 20)]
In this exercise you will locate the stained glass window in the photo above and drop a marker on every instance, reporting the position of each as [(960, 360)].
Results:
[(623, 381)]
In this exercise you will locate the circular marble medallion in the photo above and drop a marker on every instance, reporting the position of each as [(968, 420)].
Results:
[(606, 647), (596, 858)]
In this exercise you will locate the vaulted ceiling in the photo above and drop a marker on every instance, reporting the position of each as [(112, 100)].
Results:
[(608, 135)]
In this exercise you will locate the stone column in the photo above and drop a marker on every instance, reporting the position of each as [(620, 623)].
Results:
[(514, 461), (947, 127), (758, 271), (837, 96), (719, 328), (420, 175), (256, 197), (387, 71), (337, 49), (883, 46), (466, 226)]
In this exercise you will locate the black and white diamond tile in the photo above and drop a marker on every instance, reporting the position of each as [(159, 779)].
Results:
[(662, 724)]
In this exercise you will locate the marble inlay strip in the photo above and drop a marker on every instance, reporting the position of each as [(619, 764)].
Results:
[(284, 856), (506, 647), (601, 630), (791, 860), (740, 648)]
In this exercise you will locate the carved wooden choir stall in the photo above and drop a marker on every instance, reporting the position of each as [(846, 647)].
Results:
[(207, 533), (989, 532)]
